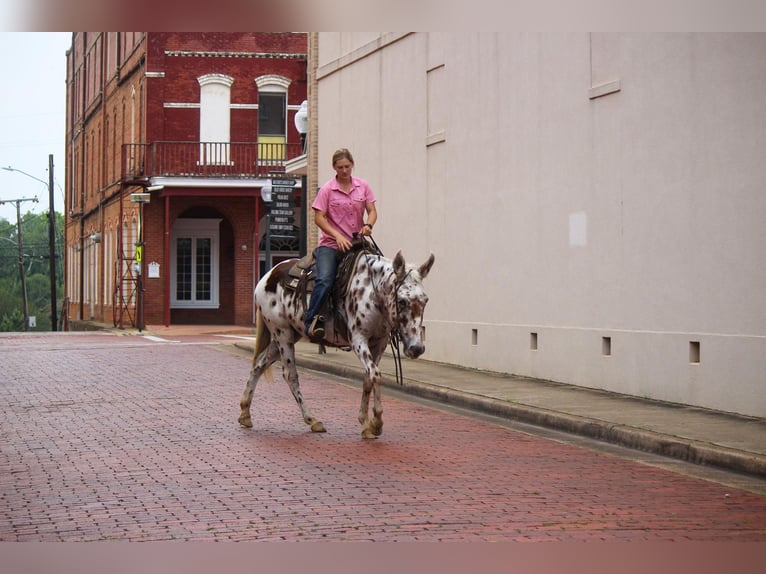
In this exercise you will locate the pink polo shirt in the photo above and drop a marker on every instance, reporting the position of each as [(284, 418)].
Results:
[(345, 212)]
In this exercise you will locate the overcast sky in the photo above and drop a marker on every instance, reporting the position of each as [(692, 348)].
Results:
[(32, 120)]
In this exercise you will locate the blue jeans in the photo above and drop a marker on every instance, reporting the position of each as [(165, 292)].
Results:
[(326, 267)]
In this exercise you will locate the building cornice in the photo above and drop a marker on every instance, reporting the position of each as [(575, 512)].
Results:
[(210, 182), (210, 54)]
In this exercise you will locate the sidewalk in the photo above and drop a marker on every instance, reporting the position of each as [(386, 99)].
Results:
[(692, 434), (702, 436)]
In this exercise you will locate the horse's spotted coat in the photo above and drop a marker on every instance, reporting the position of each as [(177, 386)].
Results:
[(385, 295)]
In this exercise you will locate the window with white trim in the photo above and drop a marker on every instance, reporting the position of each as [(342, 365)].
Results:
[(215, 118), (272, 118)]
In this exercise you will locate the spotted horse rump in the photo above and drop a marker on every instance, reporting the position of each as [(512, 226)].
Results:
[(385, 297)]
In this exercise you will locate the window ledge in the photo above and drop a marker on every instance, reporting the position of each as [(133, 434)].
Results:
[(436, 137)]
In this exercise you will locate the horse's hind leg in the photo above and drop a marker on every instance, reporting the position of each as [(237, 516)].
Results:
[(260, 363), (290, 374)]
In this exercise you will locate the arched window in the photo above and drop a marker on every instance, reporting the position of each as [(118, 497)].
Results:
[(272, 118), (108, 273), (215, 118)]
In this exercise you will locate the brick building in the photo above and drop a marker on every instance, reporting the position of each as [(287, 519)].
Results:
[(171, 138)]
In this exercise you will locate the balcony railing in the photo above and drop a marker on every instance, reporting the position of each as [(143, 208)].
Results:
[(205, 159)]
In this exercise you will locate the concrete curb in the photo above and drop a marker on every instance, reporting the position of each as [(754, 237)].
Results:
[(639, 439), (631, 437)]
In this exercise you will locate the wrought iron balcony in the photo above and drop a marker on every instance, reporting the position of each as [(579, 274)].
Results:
[(205, 159)]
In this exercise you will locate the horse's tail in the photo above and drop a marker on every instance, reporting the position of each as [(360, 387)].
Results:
[(262, 342)]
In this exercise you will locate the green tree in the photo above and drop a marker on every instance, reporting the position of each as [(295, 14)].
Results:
[(36, 267)]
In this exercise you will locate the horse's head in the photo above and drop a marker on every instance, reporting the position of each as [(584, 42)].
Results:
[(411, 302)]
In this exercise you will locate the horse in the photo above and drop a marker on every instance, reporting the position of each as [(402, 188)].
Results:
[(384, 298)]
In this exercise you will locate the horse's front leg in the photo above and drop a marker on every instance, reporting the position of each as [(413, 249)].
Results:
[(260, 363), (376, 424), (290, 374), (364, 407), (371, 427)]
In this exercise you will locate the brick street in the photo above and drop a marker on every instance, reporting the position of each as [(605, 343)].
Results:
[(109, 437)]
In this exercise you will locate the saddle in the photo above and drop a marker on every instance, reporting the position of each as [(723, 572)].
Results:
[(300, 277)]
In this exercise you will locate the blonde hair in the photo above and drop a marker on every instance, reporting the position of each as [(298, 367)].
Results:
[(340, 154)]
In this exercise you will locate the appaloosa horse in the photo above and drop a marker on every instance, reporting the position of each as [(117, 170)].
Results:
[(384, 297)]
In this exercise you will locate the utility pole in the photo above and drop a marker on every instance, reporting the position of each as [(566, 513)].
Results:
[(51, 235), (22, 272), (52, 243)]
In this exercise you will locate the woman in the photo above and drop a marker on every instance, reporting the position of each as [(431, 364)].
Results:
[(339, 210)]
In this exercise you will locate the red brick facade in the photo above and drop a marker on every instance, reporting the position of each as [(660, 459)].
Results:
[(134, 125)]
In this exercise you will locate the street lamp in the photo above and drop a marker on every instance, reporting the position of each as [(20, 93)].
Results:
[(302, 122), (51, 237)]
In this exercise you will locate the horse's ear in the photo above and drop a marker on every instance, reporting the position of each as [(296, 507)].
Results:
[(399, 267), (426, 266)]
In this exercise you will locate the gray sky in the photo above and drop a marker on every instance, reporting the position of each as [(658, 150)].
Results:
[(32, 117)]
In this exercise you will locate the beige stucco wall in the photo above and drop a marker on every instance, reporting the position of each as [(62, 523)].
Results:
[(576, 186)]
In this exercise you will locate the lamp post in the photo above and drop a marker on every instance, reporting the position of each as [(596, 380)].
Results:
[(266, 196), (51, 235), (301, 124)]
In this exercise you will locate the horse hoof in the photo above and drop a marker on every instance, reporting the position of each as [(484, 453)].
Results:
[(246, 421), (367, 434), (317, 426)]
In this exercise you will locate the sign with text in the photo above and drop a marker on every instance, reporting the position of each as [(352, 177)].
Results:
[(282, 208), (283, 182)]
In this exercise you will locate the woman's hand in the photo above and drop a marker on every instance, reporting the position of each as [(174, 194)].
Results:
[(343, 243)]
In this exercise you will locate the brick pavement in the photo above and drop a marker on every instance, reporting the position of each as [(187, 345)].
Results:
[(119, 438)]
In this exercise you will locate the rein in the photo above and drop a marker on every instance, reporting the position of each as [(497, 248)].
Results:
[(395, 337)]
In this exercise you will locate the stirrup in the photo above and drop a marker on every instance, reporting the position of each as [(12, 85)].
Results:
[(316, 329)]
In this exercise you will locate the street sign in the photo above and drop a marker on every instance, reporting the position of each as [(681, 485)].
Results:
[(139, 253), (282, 209), (283, 182), (280, 217)]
